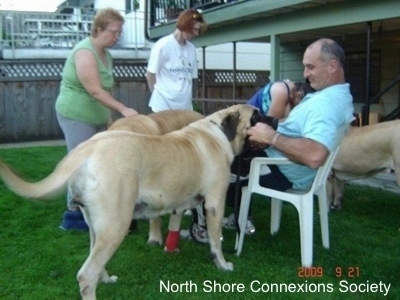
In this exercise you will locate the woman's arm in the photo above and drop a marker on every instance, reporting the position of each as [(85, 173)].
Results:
[(88, 75), (151, 80), (279, 100)]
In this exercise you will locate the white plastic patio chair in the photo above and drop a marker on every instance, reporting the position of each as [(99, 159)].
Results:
[(303, 200)]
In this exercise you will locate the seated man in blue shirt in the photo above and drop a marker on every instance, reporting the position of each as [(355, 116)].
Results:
[(310, 125), (313, 124), (309, 132)]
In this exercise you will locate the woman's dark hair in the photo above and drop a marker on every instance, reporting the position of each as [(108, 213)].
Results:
[(303, 87)]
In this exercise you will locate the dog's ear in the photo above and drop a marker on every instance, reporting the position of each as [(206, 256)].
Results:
[(229, 125)]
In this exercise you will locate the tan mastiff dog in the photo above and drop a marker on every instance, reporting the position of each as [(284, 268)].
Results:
[(364, 152), (119, 175), (158, 124)]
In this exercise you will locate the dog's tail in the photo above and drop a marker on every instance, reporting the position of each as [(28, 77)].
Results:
[(47, 188), (52, 185)]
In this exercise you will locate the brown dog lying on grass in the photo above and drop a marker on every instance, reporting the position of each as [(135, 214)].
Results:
[(364, 152)]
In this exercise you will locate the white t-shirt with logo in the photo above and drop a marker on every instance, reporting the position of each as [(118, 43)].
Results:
[(175, 67)]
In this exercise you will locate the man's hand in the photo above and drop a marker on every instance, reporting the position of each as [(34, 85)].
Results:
[(261, 133)]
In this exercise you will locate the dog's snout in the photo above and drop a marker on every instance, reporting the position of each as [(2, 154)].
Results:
[(255, 117)]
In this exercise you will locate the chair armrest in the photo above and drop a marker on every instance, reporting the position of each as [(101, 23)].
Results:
[(257, 162), (270, 161)]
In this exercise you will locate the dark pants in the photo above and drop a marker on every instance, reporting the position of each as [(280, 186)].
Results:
[(241, 165)]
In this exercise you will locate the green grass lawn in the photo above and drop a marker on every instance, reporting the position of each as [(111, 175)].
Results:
[(40, 261)]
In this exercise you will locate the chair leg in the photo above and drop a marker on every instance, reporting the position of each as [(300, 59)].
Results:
[(243, 212), (276, 212), (306, 222), (323, 215)]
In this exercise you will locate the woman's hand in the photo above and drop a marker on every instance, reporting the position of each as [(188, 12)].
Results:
[(128, 112)]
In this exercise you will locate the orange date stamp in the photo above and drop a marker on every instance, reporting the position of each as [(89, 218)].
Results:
[(318, 272)]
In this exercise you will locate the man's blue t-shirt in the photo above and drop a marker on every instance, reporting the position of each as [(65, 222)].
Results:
[(317, 117)]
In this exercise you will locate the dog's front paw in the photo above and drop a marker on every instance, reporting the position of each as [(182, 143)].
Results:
[(154, 243), (227, 266), (108, 279), (175, 250), (223, 265), (113, 279)]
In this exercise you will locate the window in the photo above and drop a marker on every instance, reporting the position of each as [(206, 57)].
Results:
[(131, 5)]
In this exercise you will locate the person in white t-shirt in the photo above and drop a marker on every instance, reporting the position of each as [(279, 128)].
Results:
[(171, 70), (172, 65)]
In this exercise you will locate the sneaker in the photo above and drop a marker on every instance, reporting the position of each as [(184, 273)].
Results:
[(230, 223), (73, 220), (196, 232), (188, 213)]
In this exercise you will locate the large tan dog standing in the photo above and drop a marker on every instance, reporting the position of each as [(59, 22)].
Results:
[(158, 123), (118, 175), (364, 152)]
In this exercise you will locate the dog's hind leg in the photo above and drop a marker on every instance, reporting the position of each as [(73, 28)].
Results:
[(94, 267), (329, 189), (108, 235), (91, 232), (338, 192), (104, 277), (155, 235)]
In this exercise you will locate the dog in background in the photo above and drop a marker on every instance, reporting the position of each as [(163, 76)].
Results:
[(118, 175), (364, 152), (158, 123)]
